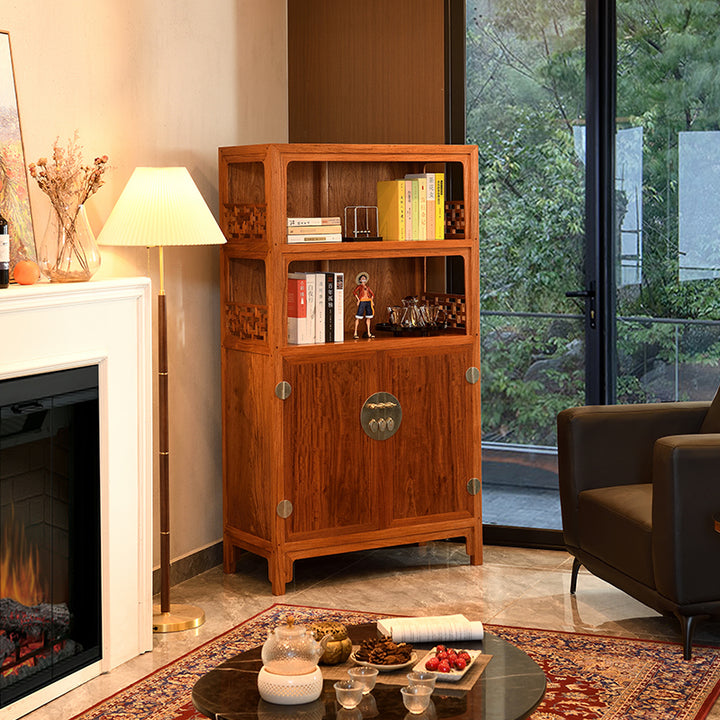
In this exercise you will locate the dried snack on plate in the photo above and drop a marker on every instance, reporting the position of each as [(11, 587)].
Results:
[(384, 651)]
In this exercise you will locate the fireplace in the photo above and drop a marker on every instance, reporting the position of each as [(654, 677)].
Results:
[(75, 484), (50, 611)]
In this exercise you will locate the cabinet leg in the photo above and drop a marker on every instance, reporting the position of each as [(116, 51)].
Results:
[(288, 570), (229, 557), (276, 574), (474, 547)]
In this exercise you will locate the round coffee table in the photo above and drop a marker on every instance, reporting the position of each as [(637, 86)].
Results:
[(510, 688)]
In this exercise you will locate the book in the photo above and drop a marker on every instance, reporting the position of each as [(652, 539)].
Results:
[(320, 307), (408, 211), (329, 307), (422, 208), (439, 206), (339, 307), (415, 208), (297, 310), (447, 628), (310, 291), (391, 209), (431, 206), (315, 230), (304, 237), (430, 211), (312, 221)]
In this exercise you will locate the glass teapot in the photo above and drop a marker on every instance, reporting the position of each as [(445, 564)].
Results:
[(411, 317), (291, 649)]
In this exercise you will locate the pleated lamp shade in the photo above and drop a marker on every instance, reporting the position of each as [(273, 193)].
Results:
[(161, 206)]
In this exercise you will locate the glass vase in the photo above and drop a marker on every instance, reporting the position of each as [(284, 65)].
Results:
[(68, 252)]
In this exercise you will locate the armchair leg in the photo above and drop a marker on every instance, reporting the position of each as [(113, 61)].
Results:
[(687, 628), (573, 578)]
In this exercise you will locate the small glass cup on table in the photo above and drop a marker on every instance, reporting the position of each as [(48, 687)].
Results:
[(348, 693), (416, 697)]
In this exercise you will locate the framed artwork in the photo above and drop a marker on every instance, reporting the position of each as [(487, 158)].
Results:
[(14, 195)]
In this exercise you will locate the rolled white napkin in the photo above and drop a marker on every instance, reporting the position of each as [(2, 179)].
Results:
[(430, 629)]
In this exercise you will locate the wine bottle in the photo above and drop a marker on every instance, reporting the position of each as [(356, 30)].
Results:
[(4, 253)]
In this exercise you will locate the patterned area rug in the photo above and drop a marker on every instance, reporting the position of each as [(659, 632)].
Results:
[(589, 676)]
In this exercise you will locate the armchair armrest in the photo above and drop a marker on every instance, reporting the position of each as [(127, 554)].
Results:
[(602, 445), (686, 495)]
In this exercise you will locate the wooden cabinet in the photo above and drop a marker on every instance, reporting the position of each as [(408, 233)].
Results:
[(302, 478)]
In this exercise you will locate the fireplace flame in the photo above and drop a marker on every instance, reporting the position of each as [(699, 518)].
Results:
[(19, 566)]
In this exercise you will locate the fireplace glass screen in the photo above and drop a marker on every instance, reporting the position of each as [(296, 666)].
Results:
[(50, 602)]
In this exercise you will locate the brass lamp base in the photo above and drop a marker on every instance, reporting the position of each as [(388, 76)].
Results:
[(180, 617)]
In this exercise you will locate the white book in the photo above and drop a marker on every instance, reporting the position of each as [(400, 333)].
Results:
[(311, 290), (447, 628), (319, 307), (339, 307), (309, 221), (330, 237)]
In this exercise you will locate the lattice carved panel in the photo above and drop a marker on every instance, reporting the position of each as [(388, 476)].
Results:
[(455, 219), (247, 322), (453, 305), (246, 222)]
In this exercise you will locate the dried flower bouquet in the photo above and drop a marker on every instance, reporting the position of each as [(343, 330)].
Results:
[(68, 183)]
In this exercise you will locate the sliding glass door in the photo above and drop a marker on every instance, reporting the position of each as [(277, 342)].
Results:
[(668, 182), (597, 124), (525, 103)]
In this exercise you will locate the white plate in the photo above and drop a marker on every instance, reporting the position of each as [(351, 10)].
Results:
[(453, 675), (386, 668)]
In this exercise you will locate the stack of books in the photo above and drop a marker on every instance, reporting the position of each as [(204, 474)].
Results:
[(314, 229), (316, 307), (412, 208)]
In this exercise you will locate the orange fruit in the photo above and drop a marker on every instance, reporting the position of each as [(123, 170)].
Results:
[(26, 272)]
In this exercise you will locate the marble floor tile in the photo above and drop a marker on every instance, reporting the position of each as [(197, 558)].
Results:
[(513, 586)]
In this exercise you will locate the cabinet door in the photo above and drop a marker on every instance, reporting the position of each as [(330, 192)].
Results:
[(328, 457), (437, 448)]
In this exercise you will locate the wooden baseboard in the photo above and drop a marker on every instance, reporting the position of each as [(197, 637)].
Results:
[(191, 565)]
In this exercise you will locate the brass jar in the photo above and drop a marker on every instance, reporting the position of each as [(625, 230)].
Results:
[(339, 645)]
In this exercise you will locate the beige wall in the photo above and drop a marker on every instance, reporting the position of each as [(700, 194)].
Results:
[(159, 82)]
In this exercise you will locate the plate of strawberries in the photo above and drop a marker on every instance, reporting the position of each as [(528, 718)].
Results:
[(448, 664)]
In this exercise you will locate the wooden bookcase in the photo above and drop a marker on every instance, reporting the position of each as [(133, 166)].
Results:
[(302, 478)]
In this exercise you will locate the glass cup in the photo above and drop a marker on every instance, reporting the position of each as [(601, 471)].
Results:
[(429, 713), (422, 678), (348, 693), (345, 714), (368, 706), (416, 697), (365, 675)]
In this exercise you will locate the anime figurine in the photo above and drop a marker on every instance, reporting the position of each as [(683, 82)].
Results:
[(364, 297)]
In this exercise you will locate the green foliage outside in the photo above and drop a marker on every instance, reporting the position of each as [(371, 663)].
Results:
[(525, 104)]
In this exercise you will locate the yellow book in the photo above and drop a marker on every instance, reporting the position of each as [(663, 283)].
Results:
[(391, 209), (439, 206)]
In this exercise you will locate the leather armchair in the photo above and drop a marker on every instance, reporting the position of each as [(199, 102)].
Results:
[(639, 486)]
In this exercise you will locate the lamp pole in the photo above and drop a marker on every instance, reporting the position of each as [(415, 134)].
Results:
[(163, 445)]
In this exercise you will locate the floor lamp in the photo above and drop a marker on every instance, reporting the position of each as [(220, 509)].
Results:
[(158, 207)]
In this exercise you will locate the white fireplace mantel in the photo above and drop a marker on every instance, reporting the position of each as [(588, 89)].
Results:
[(108, 323)]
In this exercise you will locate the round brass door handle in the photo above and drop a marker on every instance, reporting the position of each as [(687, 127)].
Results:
[(381, 415)]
